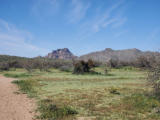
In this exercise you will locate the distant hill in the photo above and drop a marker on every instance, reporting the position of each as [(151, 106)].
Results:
[(6, 58), (127, 55), (61, 54)]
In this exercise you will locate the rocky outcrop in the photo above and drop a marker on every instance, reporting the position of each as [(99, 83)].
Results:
[(61, 54)]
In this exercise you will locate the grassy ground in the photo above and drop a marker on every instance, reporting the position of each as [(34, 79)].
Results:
[(120, 95)]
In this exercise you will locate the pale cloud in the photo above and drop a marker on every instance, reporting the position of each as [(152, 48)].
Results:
[(17, 42), (153, 39), (43, 8), (119, 33), (103, 20), (106, 19), (78, 11), (98, 26), (120, 22), (154, 34), (4, 25)]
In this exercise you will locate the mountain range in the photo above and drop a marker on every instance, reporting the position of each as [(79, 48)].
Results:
[(127, 55)]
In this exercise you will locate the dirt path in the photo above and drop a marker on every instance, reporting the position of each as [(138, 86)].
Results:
[(14, 106)]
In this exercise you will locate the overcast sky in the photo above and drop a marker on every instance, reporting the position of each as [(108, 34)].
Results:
[(35, 27)]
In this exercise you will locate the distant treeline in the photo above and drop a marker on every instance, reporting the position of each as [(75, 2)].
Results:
[(146, 62), (7, 62)]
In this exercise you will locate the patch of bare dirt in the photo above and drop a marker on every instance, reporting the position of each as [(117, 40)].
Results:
[(14, 106), (86, 118)]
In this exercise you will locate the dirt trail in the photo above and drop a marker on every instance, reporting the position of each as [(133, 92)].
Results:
[(14, 106)]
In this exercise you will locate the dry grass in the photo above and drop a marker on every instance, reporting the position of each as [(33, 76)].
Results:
[(94, 95)]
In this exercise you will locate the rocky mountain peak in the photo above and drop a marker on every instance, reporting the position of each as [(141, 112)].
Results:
[(61, 54)]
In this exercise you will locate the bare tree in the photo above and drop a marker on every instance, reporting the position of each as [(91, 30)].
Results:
[(28, 65)]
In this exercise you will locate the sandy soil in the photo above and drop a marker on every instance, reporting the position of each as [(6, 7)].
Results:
[(14, 106), (86, 118)]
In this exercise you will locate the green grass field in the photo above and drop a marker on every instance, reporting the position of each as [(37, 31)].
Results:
[(120, 95)]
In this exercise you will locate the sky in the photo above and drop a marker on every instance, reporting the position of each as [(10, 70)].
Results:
[(30, 28)]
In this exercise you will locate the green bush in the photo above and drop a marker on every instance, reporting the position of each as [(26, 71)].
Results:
[(82, 67)]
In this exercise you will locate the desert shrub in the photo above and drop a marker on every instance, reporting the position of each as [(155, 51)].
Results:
[(27, 86), (37, 63), (98, 64), (91, 63), (112, 63), (4, 66), (51, 111), (114, 91), (115, 63), (125, 64), (28, 65), (14, 64), (146, 62), (143, 62), (65, 68), (152, 61), (59, 63), (81, 67), (105, 71), (43, 65), (154, 80)]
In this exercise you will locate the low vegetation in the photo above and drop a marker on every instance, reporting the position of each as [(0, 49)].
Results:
[(27, 86), (51, 111), (154, 80), (143, 62), (102, 93), (65, 96), (43, 64), (18, 75), (137, 107)]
